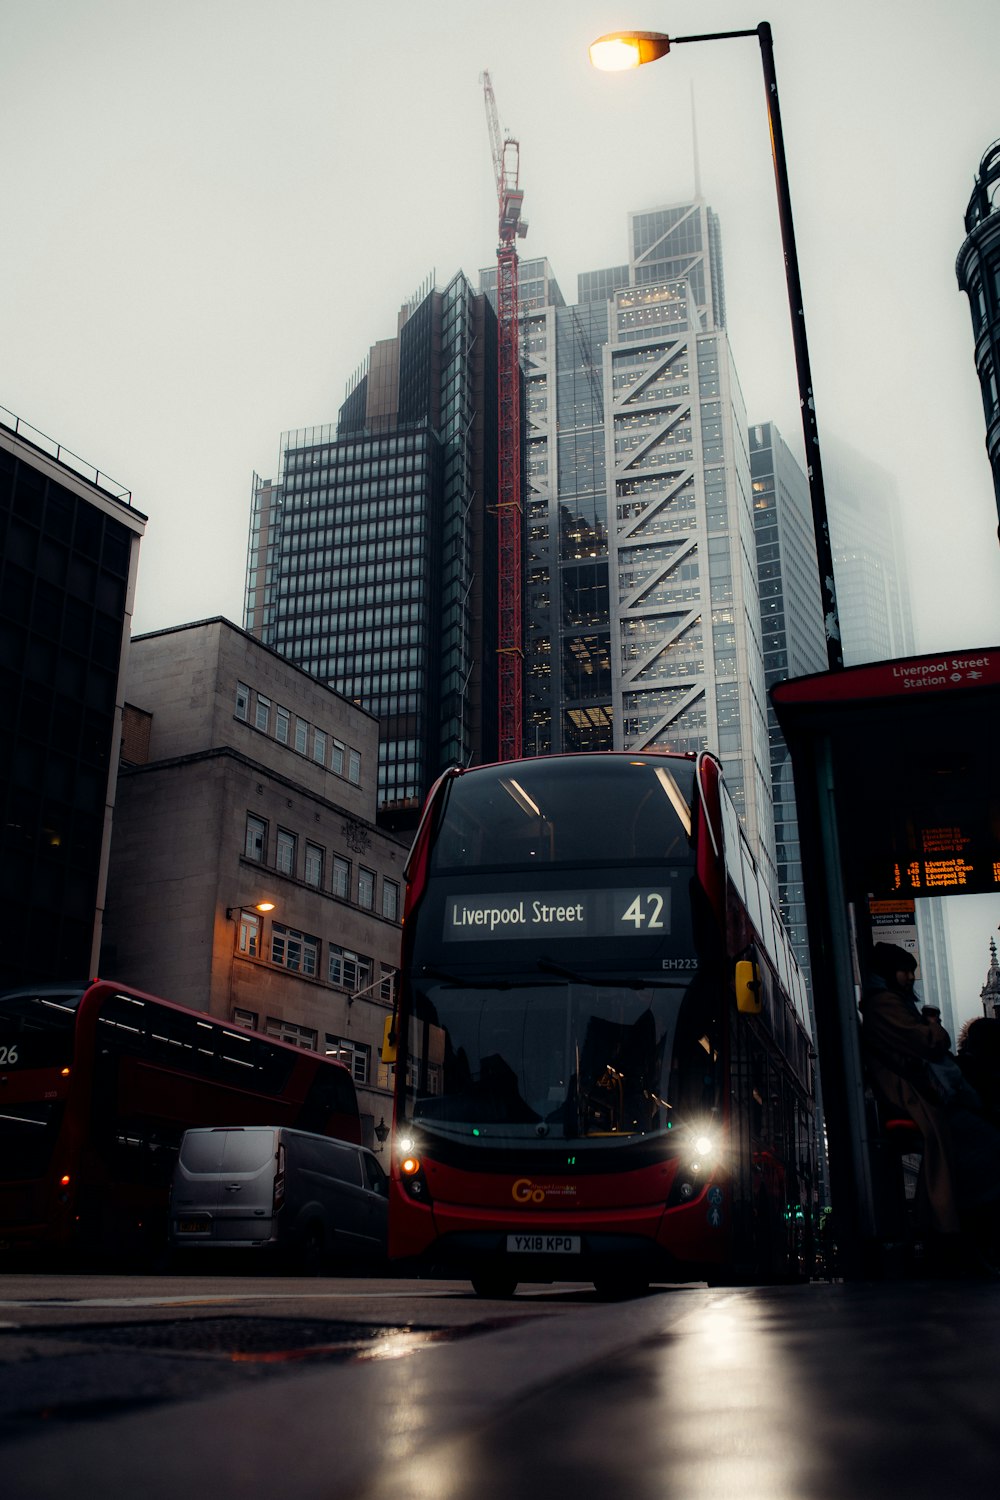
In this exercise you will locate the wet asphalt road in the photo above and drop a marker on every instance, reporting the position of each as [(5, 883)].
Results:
[(361, 1390)]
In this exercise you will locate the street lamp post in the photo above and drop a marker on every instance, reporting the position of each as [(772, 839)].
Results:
[(633, 48)]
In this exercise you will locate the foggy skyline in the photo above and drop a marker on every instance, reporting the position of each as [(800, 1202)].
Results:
[(213, 209)]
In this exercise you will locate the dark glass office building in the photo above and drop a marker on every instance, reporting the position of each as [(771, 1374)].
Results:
[(69, 542), (372, 559), (978, 271)]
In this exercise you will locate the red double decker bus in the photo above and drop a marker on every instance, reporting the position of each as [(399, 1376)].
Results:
[(603, 1070), (97, 1085)]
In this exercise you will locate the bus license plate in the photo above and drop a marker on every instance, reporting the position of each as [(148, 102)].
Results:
[(543, 1244)]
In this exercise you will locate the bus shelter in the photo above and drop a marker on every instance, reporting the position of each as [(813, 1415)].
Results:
[(897, 785)]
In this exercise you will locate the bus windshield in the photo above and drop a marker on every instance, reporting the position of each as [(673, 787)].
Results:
[(608, 810), (37, 1028), (558, 1059), (553, 957)]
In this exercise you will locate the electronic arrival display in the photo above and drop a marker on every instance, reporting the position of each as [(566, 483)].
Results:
[(947, 860)]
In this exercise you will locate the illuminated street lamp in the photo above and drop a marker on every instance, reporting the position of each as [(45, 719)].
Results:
[(630, 49), (249, 906)]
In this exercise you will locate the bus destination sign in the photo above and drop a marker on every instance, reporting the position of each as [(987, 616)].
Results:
[(624, 912)]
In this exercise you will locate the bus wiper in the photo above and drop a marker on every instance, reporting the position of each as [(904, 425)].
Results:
[(626, 981), (549, 966)]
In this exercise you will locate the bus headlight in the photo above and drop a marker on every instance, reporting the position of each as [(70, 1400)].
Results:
[(701, 1151), (698, 1157)]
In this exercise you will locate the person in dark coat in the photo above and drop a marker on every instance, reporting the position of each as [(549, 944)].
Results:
[(898, 1042), (909, 1059), (979, 1059)]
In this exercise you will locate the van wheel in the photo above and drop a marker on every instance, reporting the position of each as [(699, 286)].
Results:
[(498, 1285), (312, 1254)]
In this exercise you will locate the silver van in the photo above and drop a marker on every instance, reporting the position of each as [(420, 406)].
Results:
[(303, 1199)]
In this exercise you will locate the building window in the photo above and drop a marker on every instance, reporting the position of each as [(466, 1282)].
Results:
[(390, 900), (366, 888), (242, 701), (337, 757), (351, 971), (256, 838), (989, 383), (249, 933), (978, 303), (354, 767), (284, 854), (387, 985), (287, 1031), (282, 719), (314, 865), (354, 1055), (341, 877), (247, 1018), (301, 735), (319, 747), (263, 713), (993, 272), (294, 950)]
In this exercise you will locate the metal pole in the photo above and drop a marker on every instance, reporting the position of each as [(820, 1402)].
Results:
[(814, 467)]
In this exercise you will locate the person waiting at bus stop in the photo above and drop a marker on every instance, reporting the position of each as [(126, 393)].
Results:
[(908, 1055)]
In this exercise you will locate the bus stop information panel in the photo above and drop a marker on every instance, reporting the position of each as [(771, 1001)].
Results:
[(912, 745), (897, 786)]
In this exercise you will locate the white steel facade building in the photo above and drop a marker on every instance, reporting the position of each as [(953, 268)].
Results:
[(643, 625)]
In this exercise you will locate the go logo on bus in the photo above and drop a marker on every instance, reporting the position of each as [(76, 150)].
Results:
[(525, 1191)]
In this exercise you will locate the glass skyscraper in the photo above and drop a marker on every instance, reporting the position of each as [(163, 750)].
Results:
[(69, 557), (372, 558), (876, 623)]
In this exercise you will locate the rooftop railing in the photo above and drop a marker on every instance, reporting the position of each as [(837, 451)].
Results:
[(64, 456)]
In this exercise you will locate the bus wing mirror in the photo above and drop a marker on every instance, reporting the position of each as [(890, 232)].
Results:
[(748, 991), (389, 1039)]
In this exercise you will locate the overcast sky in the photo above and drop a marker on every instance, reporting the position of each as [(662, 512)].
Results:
[(209, 209)]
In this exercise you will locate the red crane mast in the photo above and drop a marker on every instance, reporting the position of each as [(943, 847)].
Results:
[(510, 197)]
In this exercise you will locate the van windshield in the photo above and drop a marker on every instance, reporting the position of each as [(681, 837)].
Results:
[(227, 1150)]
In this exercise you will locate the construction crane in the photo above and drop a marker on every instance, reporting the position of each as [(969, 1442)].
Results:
[(510, 197)]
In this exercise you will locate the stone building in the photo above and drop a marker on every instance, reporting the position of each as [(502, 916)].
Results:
[(990, 992), (247, 876), (978, 272)]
